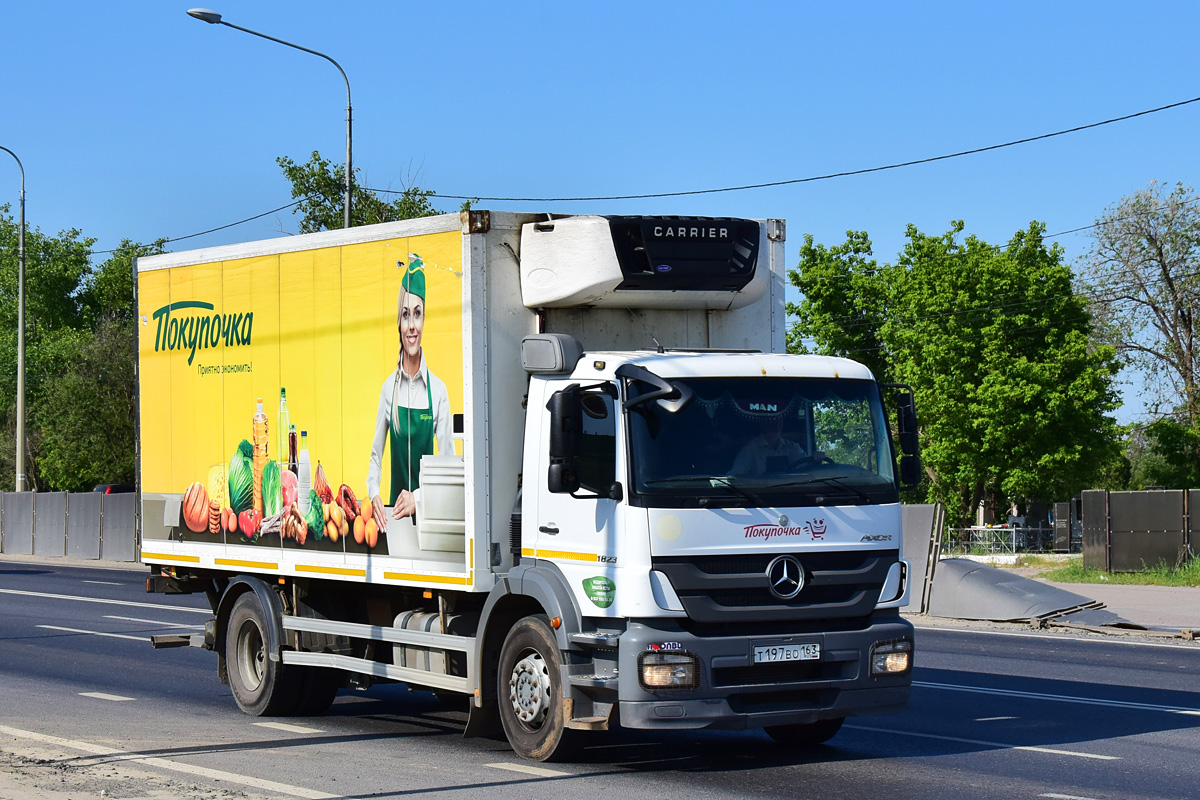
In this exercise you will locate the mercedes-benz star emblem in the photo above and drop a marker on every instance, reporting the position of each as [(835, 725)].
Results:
[(785, 577)]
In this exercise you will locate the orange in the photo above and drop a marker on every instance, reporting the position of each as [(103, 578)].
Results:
[(360, 530), (372, 533)]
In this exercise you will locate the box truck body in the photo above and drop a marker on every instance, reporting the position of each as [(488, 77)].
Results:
[(627, 501)]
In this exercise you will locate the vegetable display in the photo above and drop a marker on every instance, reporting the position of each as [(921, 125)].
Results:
[(224, 502), (241, 478), (272, 489)]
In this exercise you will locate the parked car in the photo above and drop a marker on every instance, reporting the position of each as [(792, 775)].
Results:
[(115, 488)]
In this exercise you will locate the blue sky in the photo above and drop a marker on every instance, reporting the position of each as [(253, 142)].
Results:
[(134, 120)]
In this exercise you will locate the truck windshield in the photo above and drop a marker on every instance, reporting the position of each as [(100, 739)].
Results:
[(764, 442)]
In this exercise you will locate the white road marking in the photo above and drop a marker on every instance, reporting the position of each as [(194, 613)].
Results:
[(1101, 639), (541, 772), (999, 745), (132, 603), (160, 623), (104, 583), (102, 696), (1065, 796), (1061, 698), (993, 719), (283, 726), (169, 764), (96, 633)]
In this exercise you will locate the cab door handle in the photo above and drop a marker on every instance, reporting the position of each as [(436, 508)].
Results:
[(552, 529)]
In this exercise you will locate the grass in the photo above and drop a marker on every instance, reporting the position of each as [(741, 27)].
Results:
[(1187, 574)]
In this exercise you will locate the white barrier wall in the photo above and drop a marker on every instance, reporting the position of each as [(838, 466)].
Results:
[(79, 525)]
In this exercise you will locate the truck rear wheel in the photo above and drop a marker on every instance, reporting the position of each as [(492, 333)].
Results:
[(261, 686), (806, 734), (529, 692)]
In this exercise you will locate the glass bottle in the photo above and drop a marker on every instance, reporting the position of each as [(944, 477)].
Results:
[(293, 450), (282, 453)]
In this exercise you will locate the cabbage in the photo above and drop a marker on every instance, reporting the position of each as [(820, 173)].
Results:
[(316, 515), (272, 490), (241, 478)]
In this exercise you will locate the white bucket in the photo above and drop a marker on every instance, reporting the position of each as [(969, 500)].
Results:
[(442, 504)]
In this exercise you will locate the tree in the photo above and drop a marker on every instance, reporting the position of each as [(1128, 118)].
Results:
[(1144, 269), (843, 309), (320, 187), (1013, 396)]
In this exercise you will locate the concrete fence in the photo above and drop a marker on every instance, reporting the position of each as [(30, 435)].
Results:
[(78, 525)]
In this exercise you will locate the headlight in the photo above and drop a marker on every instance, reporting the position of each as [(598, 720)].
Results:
[(891, 657), (669, 669)]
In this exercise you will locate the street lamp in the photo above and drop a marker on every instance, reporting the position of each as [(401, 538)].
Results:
[(20, 333), (213, 18)]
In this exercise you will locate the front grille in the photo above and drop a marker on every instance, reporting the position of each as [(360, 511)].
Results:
[(801, 700), (787, 672), (734, 588)]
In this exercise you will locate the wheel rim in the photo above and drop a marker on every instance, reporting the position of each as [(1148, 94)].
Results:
[(251, 656), (529, 690)]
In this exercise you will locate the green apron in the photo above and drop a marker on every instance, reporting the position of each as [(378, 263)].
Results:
[(410, 436)]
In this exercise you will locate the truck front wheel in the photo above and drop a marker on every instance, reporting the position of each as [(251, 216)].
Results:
[(807, 734), (259, 683), (529, 692)]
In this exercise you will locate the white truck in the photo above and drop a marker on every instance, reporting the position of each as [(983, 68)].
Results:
[(578, 479)]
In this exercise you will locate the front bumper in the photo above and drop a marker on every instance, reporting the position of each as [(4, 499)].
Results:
[(736, 694)]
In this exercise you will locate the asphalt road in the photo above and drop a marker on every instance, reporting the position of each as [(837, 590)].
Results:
[(87, 706)]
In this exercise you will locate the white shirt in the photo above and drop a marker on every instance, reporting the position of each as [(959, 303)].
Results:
[(752, 460), (409, 392)]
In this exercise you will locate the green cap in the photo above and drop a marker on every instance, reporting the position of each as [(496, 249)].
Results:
[(414, 276)]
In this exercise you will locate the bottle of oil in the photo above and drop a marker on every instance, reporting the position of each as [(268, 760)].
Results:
[(260, 453)]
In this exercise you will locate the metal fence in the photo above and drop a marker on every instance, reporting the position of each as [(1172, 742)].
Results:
[(1002, 539), (79, 525)]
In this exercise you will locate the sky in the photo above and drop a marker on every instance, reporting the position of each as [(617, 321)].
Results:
[(133, 120)]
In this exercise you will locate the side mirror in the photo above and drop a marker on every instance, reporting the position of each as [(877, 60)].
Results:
[(910, 471), (566, 438), (906, 417), (910, 461)]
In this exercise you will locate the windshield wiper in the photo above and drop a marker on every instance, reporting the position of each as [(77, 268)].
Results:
[(721, 481), (836, 480)]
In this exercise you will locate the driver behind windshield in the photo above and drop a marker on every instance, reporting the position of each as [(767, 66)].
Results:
[(768, 452)]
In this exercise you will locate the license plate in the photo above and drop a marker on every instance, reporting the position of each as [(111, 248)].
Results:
[(787, 652)]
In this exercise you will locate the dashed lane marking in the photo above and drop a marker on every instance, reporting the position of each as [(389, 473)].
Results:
[(998, 745), (116, 698), (170, 764), (95, 633), (132, 603), (1061, 698), (157, 622), (541, 772), (1065, 796), (104, 583), (283, 726)]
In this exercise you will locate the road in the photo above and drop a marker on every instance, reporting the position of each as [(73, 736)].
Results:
[(87, 706)]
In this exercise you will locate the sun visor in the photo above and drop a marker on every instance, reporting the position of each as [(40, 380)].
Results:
[(642, 262)]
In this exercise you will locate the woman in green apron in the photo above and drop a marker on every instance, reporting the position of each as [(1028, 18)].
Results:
[(414, 408)]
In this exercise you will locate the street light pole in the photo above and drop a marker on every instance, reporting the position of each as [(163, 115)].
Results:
[(213, 18), (20, 482)]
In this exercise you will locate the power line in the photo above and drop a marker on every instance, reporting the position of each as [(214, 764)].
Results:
[(810, 179), (214, 230)]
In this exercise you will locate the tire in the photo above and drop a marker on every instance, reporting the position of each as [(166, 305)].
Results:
[(262, 687), (806, 734), (529, 692), (318, 689)]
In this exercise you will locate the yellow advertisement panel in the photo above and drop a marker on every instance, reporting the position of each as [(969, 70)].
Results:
[(294, 400)]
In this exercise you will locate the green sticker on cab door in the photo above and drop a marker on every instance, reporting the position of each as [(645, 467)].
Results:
[(600, 590)]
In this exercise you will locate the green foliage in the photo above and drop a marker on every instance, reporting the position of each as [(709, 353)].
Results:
[(1185, 574), (1172, 457), (320, 187), (1012, 395)]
